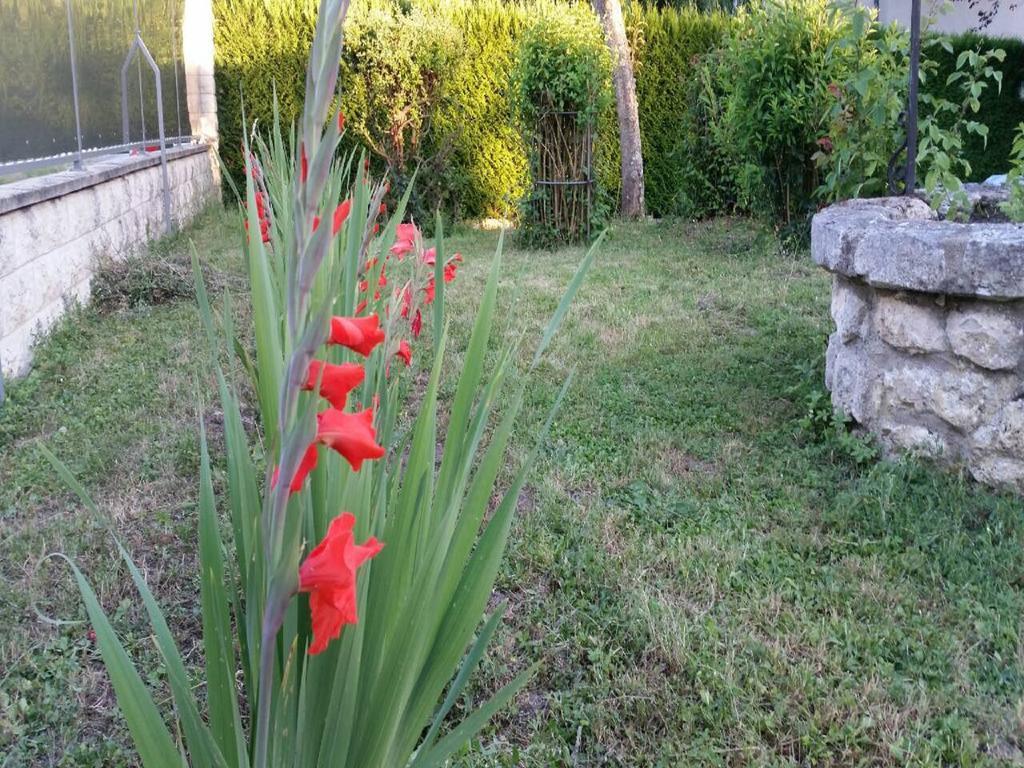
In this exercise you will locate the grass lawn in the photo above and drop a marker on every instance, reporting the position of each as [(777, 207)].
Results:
[(708, 570)]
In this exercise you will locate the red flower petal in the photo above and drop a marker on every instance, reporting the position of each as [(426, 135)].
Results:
[(328, 574), (350, 434), (360, 334), (336, 381), (340, 214), (307, 465), (404, 352)]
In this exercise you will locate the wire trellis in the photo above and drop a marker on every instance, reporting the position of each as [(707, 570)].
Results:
[(563, 175)]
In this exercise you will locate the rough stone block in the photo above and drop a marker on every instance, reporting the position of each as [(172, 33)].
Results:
[(850, 309), (909, 325), (989, 335), (916, 439), (1004, 471)]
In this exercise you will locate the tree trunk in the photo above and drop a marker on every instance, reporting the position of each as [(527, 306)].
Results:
[(610, 12)]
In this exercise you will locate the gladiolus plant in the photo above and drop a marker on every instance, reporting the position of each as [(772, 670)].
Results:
[(343, 601)]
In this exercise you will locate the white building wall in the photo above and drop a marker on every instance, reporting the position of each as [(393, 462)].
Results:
[(956, 17)]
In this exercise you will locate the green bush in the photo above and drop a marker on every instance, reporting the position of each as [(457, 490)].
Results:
[(395, 71), (562, 76), (731, 108), (260, 49), (773, 73), (683, 169), (1001, 109), (488, 162)]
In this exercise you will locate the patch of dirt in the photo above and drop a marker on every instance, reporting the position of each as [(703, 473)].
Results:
[(681, 464)]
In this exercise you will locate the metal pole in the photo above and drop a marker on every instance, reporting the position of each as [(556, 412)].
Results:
[(910, 172), (177, 90), (74, 93)]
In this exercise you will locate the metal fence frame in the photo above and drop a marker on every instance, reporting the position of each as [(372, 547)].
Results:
[(77, 158)]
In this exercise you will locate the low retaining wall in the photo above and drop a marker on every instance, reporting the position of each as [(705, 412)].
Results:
[(54, 228), (928, 351)]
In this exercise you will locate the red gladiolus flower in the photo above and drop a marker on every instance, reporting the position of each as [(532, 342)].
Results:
[(303, 163), (429, 257), (340, 214), (341, 121), (417, 324), (428, 292), (360, 307), (336, 381), (406, 301), (360, 334), (350, 434), (404, 352), (364, 286), (405, 239), (307, 465), (382, 210), (316, 222), (328, 574), (449, 271)]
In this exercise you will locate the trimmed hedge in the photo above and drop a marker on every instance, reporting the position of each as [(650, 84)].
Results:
[(1001, 110), (472, 141), (682, 171), (473, 133)]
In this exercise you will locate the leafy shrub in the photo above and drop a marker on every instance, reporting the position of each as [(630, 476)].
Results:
[(488, 164), (1001, 109), (394, 75), (562, 73), (865, 123), (774, 70), (1014, 207), (684, 172)]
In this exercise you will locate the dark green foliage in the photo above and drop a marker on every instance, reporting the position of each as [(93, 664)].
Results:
[(775, 67), (260, 49), (562, 83), (488, 162), (683, 172), (1001, 110), (710, 133)]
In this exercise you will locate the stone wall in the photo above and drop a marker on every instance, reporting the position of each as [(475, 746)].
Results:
[(928, 351), (54, 228)]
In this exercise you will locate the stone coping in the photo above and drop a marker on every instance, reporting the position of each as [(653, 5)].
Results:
[(899, 243), (21, 194)]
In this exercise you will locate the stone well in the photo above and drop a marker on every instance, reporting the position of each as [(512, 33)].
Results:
[(928, 351)]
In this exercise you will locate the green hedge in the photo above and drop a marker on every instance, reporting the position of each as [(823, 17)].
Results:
[(472, 142), (472, 136), (682, 171), (1001, 110)]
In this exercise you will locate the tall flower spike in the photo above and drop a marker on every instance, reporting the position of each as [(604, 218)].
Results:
[(328, 574)]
